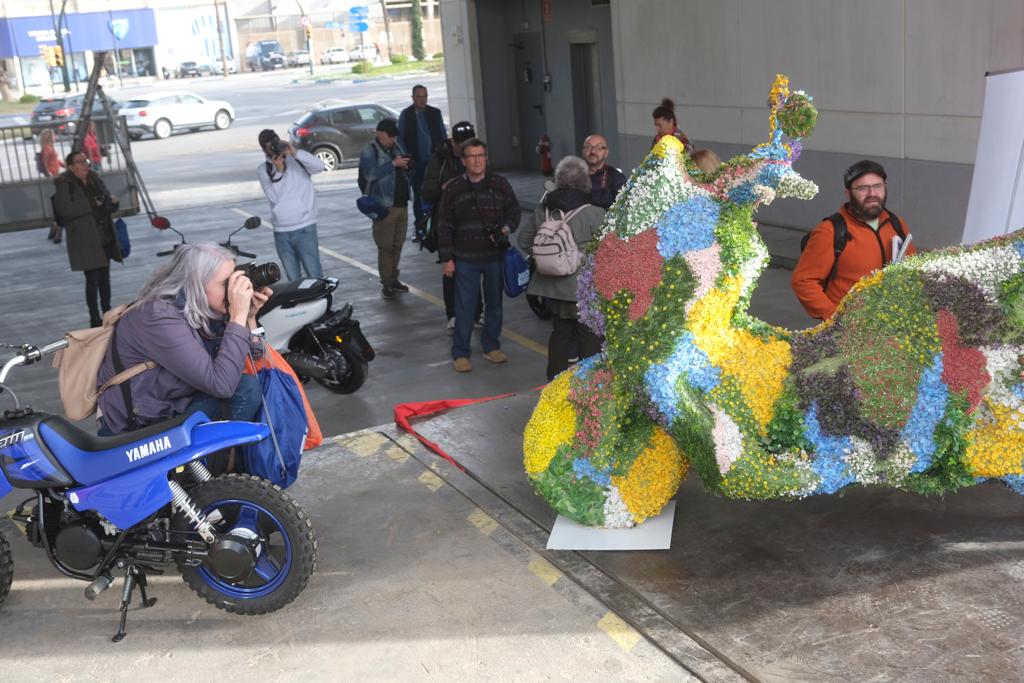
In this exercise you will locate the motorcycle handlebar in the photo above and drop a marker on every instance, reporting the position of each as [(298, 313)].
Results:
[(244, 254), (165, 253), (30, 354)]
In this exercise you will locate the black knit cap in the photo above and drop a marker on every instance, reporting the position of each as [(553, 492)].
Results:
[(267, 135), (462, 131), (860, 168)]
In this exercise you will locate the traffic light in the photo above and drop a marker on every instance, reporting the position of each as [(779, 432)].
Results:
[(58, 55), (47, 53), (309, 33)]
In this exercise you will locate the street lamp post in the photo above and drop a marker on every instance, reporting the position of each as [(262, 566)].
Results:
[(58, 29), (220, 38)]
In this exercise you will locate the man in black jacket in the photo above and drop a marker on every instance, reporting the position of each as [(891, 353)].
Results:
[(478, 212), (420, 130)]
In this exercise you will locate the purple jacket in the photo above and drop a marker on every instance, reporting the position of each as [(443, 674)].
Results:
[(157, 331)]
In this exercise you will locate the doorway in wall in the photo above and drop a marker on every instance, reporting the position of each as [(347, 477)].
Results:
[(586, 91), (529, 95)]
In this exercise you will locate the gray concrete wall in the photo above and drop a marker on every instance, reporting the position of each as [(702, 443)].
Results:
[(901, 81), (497, 22)]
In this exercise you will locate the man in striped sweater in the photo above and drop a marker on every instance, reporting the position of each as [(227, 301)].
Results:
[(478, 212)]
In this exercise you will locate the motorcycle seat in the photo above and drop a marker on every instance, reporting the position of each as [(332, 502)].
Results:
[(287, 294), (89, 442)]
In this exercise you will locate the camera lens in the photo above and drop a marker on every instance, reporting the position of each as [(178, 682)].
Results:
[(262, 275)]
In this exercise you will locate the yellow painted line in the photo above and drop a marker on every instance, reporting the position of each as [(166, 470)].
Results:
[(544, 570), (624, 635), (482, 521), (397, 454), (431, 481), (363, 445), (408, 442), (520, 339)]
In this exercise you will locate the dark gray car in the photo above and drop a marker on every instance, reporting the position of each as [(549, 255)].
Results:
[(336, 132)]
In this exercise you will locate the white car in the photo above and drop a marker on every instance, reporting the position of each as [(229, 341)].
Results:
[(334, 55), (367, 52), (162, 113), (217, 67), (297, 58)]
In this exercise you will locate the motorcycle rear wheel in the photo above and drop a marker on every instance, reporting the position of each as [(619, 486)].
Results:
[(354, 376), (6, 568), (286, 551)]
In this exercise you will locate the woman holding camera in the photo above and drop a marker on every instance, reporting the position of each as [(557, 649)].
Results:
[(84, 206), (192, 323)]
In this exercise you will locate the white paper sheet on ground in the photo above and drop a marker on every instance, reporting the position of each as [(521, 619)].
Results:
[(654, 534)]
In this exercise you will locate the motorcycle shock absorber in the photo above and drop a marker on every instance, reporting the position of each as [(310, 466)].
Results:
[(199, 472), (180, 501)]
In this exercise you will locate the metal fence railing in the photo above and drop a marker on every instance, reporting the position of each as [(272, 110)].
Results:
[(25, 191)]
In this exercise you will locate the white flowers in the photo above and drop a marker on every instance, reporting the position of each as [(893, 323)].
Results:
[(727, 439), (616, 514), (987, 268)]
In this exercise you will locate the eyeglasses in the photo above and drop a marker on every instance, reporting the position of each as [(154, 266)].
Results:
[(474, 156), (80, 161), (863, 189), (599, 148)]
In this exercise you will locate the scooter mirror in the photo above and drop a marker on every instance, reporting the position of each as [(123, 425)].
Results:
[(160, 223), (252, 222)]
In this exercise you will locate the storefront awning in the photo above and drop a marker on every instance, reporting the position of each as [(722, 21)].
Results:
[(22, 36)]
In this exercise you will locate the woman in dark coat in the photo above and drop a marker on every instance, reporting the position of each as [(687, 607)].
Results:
[(85, 206)]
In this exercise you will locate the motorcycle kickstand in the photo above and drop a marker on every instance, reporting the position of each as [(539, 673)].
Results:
[(133, 576)]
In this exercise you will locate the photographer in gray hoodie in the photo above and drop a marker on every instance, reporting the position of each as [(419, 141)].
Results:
[(287, 180)]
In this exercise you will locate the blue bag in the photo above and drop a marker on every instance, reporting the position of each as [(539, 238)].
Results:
[(372, 208), (277, 459), (516, 272), (121, 228)]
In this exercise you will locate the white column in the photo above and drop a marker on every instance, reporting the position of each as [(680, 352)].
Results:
[(462, 63)]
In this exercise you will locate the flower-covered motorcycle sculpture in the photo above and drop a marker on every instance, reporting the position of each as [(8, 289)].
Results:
[(915, 382)]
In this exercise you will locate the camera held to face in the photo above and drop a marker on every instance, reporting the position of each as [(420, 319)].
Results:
[(261, 275), (278, 147), (497, 236)]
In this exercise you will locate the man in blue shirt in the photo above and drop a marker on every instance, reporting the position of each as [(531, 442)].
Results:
[(420, 129)]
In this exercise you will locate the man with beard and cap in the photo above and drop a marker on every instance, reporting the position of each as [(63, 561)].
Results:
[(605, 180), (849, 244)]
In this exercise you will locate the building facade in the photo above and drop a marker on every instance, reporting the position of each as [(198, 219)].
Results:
[(900, 81)]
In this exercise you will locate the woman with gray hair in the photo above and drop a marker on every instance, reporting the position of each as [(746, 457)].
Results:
[(192, 322), (571, 193)]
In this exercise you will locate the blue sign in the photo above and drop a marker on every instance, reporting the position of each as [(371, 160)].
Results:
[(358, 26), (359, 13), (22, 36), (332, 24)]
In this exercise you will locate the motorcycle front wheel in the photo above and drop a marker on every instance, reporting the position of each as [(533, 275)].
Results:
[(6, 568), (263, 520)]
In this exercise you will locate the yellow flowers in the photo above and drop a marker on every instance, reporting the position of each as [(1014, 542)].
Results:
[(553, 423), (759, 365), (654, 477), (996, 444)]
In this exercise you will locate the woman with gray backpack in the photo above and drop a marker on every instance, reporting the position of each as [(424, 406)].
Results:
[(563, 223)]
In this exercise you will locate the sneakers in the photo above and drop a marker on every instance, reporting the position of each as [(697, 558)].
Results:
[(496, 356), (400, 287), (451, 326), (462, 365), (387, 292)]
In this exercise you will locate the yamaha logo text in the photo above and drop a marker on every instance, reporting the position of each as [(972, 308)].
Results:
[(12, 438), (147, 449)]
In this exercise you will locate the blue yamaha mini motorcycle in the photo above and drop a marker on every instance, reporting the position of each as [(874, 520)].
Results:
[(143, 502)]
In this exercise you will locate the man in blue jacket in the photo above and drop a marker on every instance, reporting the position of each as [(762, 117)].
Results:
[(287, 181), (420, 130), (383, 176)]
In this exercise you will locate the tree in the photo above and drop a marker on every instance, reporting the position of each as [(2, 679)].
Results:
[(417, 31), (387, 25)]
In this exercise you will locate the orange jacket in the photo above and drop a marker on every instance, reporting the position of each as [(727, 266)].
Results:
[(865, 251)]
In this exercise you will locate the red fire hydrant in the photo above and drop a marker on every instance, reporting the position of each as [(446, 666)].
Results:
[(544, 150)]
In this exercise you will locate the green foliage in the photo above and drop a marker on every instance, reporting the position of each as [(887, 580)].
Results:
[(438, 55), (948, 472), (785, 432), (363, 67), (1010, 295), (738, 236), (28, 99), (581, 500), (417, 31), (692, 431), (398, 59)]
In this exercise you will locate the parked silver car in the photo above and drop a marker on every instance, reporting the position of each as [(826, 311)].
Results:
[(162, 113)]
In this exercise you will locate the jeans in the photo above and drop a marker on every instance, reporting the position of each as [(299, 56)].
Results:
[(243, 405), (416, 183), (97, 285), (299, 246), (448, 292), (389, 236), (467, 295)]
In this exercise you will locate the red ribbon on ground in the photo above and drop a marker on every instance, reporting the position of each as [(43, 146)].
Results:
[(405, 411)]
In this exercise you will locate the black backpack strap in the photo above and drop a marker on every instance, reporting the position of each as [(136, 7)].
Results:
[(897, 225), (126, 389), (838, 243)]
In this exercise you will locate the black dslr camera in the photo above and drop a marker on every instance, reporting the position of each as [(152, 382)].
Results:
[(278, 147), (497, 236), (262, 275)]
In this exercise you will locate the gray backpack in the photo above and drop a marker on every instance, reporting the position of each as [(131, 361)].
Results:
[(554, 248)]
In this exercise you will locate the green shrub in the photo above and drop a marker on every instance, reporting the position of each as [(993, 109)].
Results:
[(399, 59), (28, 99), (438, 55), (363, 67)]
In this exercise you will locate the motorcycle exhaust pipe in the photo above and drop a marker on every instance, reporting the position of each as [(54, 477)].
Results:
[(94, 589), (307, 365)]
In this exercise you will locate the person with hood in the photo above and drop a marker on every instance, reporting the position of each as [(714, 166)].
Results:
[(571, 193), (84, 206)]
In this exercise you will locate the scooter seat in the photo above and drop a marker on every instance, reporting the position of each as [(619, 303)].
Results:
[(287, 294), (90, 443)]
